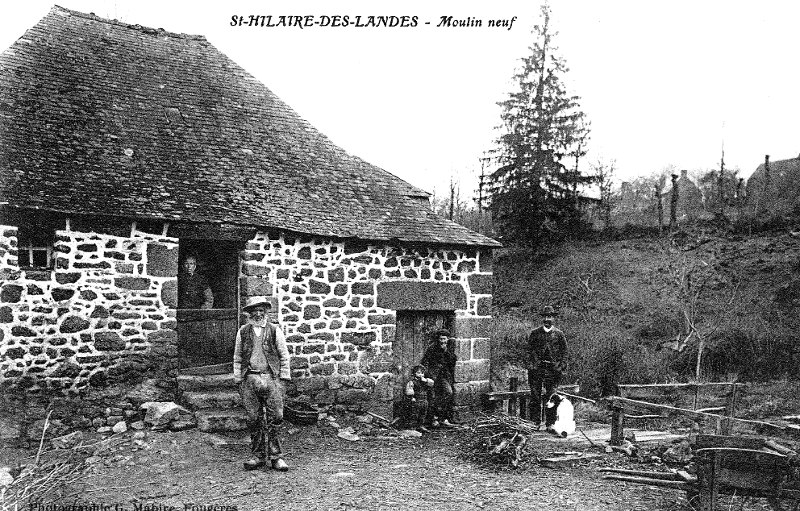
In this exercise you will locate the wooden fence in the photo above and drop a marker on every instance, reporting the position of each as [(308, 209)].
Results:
[(514, 401)]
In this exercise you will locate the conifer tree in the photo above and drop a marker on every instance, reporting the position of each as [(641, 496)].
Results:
[(534, 194)]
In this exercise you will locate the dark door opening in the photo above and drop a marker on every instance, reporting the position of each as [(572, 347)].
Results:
[(413, 335), (206, 336)]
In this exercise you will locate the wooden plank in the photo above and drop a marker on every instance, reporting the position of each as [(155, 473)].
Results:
[(671, 476), (733, 457), (739, 442), (680, 485), (502, 395), (711, 409), (563, 461)]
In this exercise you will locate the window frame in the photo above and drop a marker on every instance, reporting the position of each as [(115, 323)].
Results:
[(28, 244)]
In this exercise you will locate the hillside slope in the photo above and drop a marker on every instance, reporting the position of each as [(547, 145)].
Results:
[(626, 304)]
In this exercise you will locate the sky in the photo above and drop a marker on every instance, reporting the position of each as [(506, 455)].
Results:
[(662, 83)]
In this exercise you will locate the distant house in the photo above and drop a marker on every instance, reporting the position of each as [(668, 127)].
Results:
[(123, 149), (776, 192), (690, 199)]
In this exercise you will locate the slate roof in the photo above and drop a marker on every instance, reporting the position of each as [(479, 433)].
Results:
[(102, 117), (782, 195)]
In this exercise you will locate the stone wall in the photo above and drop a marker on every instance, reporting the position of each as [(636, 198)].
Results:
[(101, 325), (337, 303), (103, 316)]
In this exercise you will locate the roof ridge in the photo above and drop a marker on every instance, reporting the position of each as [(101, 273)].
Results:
[(134, 26)]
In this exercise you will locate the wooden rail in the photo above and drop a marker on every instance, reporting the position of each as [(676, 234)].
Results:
[(731, 391), (517, 399)]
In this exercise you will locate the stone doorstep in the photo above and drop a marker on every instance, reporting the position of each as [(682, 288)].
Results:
[(214, 419), (189, 382), (199, 400), (212, 369)]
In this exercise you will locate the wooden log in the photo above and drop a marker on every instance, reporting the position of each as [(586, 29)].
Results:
[(679, 485), (642, 473), (782, 449)]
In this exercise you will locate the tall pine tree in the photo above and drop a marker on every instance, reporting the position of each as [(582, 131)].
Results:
[(533, 193)]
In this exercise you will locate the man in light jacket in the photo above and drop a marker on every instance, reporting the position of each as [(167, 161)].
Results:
[(260, 368)]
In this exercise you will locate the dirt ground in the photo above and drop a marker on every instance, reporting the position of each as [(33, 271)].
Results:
[(185, 470)]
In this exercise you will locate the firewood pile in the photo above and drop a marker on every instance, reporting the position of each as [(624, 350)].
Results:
[(501, 439)]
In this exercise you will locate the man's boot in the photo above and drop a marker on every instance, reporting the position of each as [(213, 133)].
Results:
[(279, 465), (254, 463)]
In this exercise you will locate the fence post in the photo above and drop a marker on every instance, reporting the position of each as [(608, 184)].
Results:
[(730, 410), (617, 424), (513, 383)]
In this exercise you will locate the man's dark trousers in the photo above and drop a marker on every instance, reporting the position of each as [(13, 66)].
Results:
[(262, 397), (547, 377)]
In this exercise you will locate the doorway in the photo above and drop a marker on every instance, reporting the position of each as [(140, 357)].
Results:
[(206, 336), (414, 333)]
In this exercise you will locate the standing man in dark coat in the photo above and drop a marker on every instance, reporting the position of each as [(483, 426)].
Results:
[(193, 289), (547, 351), (440, 360)]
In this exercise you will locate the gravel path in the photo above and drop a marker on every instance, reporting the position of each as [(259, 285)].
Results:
[(176, 469)]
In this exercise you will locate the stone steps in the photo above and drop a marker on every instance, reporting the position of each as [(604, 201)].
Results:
[(212, 369), (219, 398), (217, 419), (214, 397)]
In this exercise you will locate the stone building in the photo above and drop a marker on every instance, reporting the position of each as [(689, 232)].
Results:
[(774, 188), (690, 199), (124, 150)]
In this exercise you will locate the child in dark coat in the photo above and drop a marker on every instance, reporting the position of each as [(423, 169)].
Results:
[(417, 398)]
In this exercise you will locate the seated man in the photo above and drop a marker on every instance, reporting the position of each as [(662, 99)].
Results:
[(440, 360), (193, 289)]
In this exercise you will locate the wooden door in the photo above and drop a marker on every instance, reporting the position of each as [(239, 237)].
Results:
[(206, 336), (414, 334)]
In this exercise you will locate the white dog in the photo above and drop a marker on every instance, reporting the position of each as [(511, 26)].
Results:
[(560, 416)]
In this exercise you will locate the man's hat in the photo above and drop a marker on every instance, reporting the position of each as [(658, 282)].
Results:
[(254, 301), (441, 332), (548, 310)]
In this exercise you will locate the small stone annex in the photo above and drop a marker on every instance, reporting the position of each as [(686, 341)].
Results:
[(127, 149)]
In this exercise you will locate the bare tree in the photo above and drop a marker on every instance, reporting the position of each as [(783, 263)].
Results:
[(604, 174), (691, 279)]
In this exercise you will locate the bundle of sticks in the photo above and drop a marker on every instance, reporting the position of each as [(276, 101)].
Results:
[(503, 437)]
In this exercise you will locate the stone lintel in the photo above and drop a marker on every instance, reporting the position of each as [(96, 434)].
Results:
[(410, 295)]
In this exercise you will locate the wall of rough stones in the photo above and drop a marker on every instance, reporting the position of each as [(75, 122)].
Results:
[(337, 303), (104, 316), (101, 324)]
